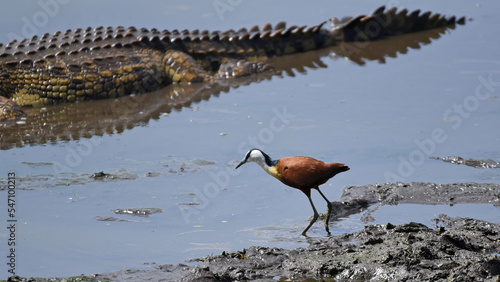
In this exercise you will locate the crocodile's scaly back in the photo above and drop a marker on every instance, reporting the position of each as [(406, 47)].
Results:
[(98, 63)]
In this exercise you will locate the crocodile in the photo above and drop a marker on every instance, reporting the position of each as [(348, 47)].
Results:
[(98, 63), (76, 121)]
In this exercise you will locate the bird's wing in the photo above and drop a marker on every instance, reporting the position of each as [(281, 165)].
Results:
[(304, 172)]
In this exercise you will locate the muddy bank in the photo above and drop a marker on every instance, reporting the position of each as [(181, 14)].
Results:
[(458, 249), (361, 199), (424, 193)]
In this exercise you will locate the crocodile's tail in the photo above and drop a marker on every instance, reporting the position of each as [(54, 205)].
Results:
[(389, 22)]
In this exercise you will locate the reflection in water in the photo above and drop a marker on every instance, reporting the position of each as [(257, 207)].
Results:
[(77, 120), (99, 117), (359, 52)]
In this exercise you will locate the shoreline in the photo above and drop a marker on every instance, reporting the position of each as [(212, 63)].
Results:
[(457, 248)]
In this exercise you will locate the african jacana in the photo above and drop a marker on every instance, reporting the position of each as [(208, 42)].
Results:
[(303, 173)]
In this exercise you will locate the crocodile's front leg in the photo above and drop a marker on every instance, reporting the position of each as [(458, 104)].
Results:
[(182, 68), (9, 109), (234, 69)]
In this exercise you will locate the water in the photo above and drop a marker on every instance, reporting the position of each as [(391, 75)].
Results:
[(381, 119)]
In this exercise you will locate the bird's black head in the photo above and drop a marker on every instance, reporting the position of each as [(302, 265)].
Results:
[(256, 155)]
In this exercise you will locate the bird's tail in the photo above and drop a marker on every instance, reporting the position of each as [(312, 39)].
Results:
[(339, 168), (343, 168)]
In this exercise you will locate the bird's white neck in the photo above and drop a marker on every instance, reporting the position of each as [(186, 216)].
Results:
[(271, 170), (264, 161), (263, 164)]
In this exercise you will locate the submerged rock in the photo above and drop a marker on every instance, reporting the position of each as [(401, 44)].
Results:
[(145, 212), (488, 163)]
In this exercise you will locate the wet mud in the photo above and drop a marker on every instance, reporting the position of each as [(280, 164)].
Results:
[(454, 248), (459, 249), (425, 193), (170, 165)]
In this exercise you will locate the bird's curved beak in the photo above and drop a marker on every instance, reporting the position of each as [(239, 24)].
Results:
[(242, 162)]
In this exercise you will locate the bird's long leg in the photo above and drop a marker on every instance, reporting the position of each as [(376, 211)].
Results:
[(315, 216), (329, 204)]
